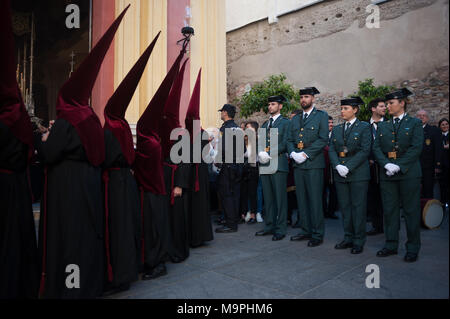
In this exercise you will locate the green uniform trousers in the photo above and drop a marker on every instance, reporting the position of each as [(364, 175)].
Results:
[(275, 202), (309, 188), (352, 199), (404, 193)]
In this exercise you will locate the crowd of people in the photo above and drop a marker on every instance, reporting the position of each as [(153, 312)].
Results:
[(366, 170)]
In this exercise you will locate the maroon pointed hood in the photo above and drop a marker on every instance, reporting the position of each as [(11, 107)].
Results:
[(148, 164), (73, 99), (12, 109), (171, 112), (193, 112), (117, 105)]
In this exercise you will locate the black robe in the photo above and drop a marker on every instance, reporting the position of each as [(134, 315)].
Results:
[(18, 247), (156, 230), (178, 211), (72, 209), (199, 217), (124, 214)]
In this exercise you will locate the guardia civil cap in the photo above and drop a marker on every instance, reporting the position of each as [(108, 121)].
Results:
[(309, 91)]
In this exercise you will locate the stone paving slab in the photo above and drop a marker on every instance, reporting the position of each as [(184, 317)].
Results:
[(240, 265)]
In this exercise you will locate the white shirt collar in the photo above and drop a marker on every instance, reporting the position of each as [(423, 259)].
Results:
[(275, 117), (445, 134), (309, 112), (351, 122), (373, 121), (401, 116)]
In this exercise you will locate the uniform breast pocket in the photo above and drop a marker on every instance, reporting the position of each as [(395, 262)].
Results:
[(312, 132)]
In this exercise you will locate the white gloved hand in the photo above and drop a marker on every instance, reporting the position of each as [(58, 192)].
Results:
[(298, 157), (391, 169), (264, 157), (342, 170)]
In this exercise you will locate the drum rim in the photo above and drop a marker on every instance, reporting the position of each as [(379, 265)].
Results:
[(424, 213)]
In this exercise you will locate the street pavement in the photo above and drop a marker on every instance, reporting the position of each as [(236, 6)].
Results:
[(242, 266)]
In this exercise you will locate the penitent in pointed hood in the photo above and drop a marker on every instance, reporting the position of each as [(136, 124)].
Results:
[(148, 165), (73, 98), (193, 112), (171, 113), (118, 103), (12, 109)]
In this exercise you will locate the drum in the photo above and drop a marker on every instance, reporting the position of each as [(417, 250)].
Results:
[(432, 213)]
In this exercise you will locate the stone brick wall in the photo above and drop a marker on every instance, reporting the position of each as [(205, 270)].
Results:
[(326, 19)]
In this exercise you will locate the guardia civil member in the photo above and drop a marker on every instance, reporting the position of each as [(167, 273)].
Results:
[(397, 148), (349, 156), (274, 182), (307, 137)]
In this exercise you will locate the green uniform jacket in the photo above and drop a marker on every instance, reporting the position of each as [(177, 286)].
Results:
[(359, 140), (314, 135), (282, 124), (410, 143)]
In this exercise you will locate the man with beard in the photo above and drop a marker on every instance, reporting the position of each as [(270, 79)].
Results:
[(308, 136), (274, 181)]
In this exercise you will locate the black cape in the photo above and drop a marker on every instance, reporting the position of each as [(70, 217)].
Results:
[(199, 217), (73, 205), (124, 213), (178, 211), (18, 247)]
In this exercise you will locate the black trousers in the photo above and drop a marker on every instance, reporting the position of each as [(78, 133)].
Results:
[(427, 183), (374, 203), (443, 183), (330, 203), (249, 187), (229, 190)]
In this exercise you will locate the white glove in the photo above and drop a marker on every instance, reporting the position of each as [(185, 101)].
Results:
[(342, 170), (391, 169), (264, 157), (298, 157)]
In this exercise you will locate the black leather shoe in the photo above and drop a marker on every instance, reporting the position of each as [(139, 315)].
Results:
[(343, 245), (156, 272), (386, 252), (263, 233), (300, 237), (315, 242), (277, 237), (251, 221), (226, 229), (374, 232), (410, 257), (356, 250), (176, 259)]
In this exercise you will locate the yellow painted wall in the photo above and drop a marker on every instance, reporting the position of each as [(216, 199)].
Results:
[(208, 50), (143, 21)]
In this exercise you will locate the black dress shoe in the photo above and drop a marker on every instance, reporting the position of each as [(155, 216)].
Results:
[(315, 242), (356, 250), (263, 233), (251, 221), (226, 229), (374, 232), (277, 237), (410, 257), (386, 252), (176, 259), (343, 245), (300, 237), (156, 272)]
